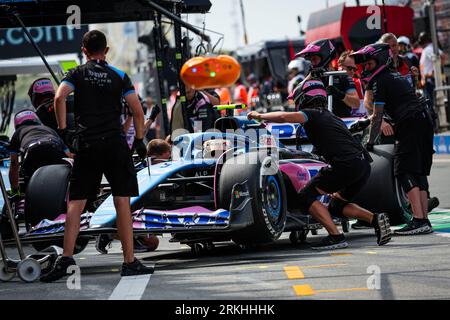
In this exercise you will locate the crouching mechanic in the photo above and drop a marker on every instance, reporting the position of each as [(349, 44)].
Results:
[(102, 148), (38, 146), (413, 128), (349, 170)]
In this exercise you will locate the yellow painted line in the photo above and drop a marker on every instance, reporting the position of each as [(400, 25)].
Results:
[(324, 266), (263, 267), (294, 273), (304, 290), (342, 290), (340, 254), (115, 270), (371, 252), (307, 290)]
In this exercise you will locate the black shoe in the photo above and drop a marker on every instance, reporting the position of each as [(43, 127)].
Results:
[(135, 268), (139, 246), (359, 225), (59, 269), (432, 203), (331, 242), (428, 223), (102, 242), (415, 226), (382, 228)]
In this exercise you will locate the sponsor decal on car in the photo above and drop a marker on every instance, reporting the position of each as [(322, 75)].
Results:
[(238, 194)]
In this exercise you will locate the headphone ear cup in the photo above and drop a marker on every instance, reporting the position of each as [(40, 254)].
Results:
[(33, 99), (30, 92)]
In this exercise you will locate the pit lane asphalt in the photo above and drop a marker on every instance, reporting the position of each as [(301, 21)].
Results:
[(412, 267)]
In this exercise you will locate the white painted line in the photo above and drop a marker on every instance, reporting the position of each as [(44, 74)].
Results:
[(442, 234), (441, 160), (440, 210), (130, 288)]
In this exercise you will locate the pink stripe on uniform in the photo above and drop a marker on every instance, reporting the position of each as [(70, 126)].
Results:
[(317, 92), (43, 86)]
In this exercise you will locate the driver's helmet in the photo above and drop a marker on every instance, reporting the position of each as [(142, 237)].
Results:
[(215, 148), (322, 48), (298, 64), (40, 87), (26, 117), (380, 52), (405, 40), (309, 94)]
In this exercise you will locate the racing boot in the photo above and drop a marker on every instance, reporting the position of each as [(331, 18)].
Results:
[(59, 269), (382, 228), (415, 226), (331, 242), (135, 268)]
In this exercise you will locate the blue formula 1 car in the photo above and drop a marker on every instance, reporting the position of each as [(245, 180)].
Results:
[(218, 186)]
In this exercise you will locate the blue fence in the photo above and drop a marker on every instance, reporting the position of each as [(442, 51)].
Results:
[(442, 144)]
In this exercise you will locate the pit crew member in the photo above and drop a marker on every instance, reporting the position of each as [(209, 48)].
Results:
[(349, 170), (102, 149), (393, 95)]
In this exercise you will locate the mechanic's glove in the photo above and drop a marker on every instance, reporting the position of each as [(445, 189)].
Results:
[(69, 139), (317, 73), (369, 147), (154, 113), (336, 93), (359, 125), (139, 147)]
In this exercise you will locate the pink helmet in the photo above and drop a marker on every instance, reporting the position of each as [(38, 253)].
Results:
[(380, 53), (323, 48), (26, 117), (307, 92), (40, 87)]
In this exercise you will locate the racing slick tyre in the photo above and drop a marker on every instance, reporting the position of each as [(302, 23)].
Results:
[(46, 198), (382, 192), (46, 194), (254, 176)]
